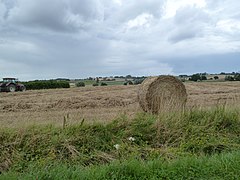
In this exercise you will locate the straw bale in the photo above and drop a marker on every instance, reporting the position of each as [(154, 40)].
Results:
[(161, 94)]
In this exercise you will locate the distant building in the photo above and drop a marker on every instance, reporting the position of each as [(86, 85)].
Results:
[(184, 77)]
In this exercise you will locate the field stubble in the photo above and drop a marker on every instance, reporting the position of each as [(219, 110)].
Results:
[(103, 104)]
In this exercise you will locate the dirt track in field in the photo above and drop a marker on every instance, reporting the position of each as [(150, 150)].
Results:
[(98, 103)]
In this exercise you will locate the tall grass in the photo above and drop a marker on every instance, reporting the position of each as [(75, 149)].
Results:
[(168, 137)]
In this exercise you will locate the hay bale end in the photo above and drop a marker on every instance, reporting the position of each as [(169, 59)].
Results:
[(162, 94)]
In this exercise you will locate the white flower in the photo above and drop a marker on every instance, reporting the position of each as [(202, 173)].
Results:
[(117, 146), (131, 139)]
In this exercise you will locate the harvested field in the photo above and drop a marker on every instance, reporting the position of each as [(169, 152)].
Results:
[(98, 103)]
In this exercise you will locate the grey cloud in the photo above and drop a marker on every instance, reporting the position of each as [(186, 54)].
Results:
[(189, 22), (53, 56), (118, 16), (183, 35), (136, 7), (214, 63), (3, 11), (223, 9), (57, 15), (38, 13), (70, 38), (88, 9), (189, 15)]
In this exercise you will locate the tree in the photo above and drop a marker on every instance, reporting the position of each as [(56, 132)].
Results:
[(97, 80), (203, 78), (216, 77), (198, 77), (195, 77)]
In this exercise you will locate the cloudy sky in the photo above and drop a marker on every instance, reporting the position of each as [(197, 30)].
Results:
[(42, 39)]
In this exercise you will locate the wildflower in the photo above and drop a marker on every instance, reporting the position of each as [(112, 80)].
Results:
[(117, 146), (131, 139)]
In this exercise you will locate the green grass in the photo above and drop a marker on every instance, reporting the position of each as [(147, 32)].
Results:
[(224, 166), (204, 142), (89, 82)]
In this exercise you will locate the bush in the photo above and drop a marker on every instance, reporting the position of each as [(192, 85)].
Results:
[(138, 81), (130, 83), (80, 84), (237, 77), (95, 84), (46, 84), (229, 78), (103, 84)]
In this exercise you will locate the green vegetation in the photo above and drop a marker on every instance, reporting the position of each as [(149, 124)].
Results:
[(113, 83), (233, 77), (195, 144), (128, 83), (216, 77), (109, 83), (80, 84), (95, 84), (46, 84), (237, 77), (89, 82), (103, 84), (138, 81), (219, 166), (229, 78), (198, 77)]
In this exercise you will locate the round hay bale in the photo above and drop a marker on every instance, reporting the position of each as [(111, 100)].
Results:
[(162, 94)]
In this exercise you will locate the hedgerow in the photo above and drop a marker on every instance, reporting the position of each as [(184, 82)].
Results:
[(46, 84)]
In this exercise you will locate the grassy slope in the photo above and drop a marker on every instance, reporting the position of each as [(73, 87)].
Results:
[(172, 144)]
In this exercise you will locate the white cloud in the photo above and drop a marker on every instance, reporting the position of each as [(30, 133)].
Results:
[(140, 21), (172, 6), (118, 2), (229, 25)]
